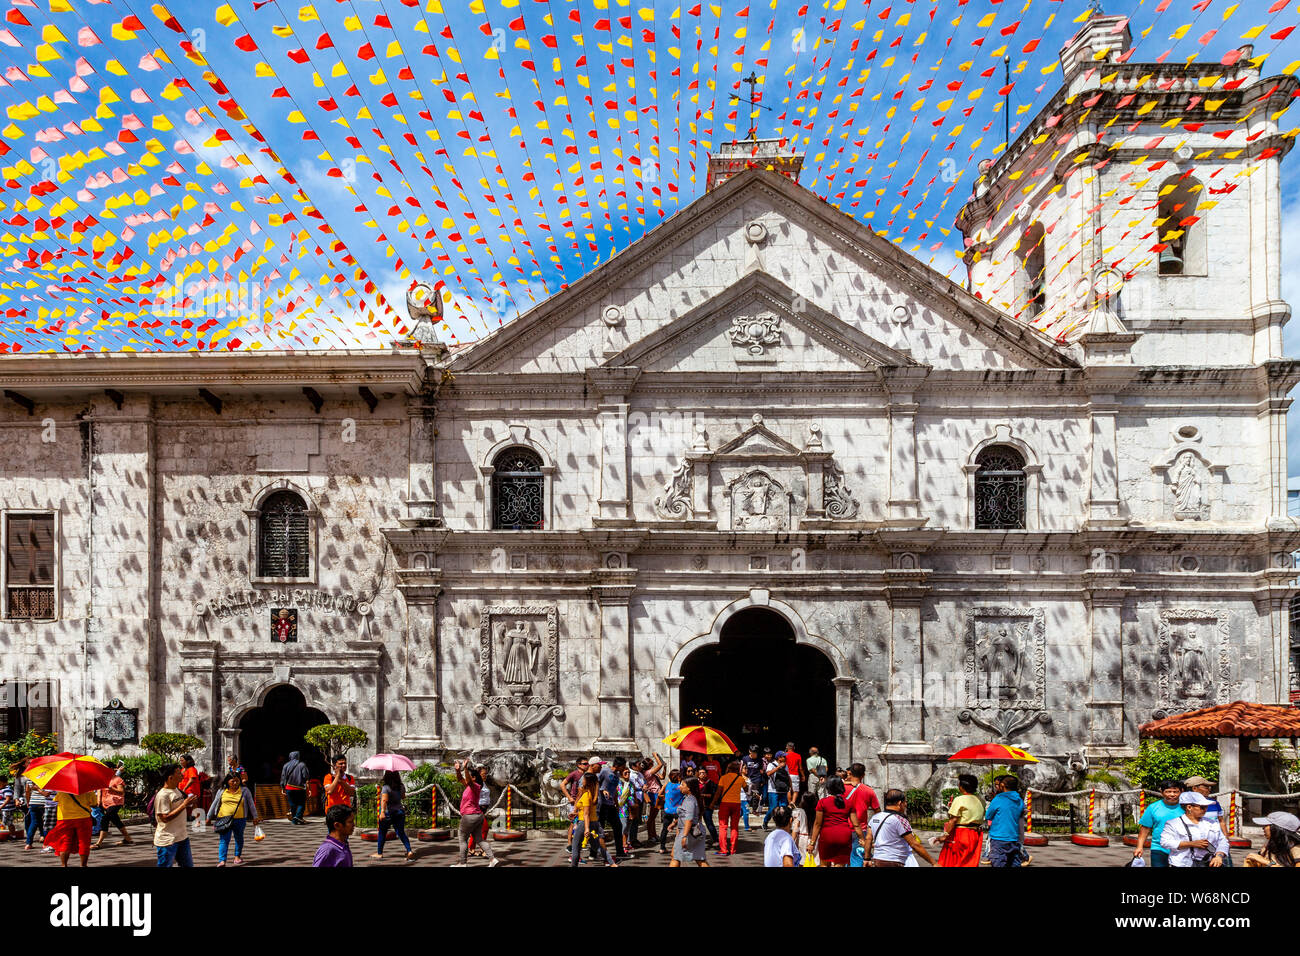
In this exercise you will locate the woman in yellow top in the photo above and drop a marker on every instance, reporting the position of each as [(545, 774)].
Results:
[(230, 812), (585, 813), (962, 839)]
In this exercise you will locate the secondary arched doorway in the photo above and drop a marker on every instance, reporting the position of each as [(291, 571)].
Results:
[(760, 686), (269, 733)]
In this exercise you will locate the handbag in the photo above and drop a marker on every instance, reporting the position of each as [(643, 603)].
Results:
[(222, 824)]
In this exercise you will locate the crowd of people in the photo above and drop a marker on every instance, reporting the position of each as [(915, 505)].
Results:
[(810, 815)]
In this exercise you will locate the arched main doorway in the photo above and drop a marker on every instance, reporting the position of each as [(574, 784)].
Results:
[(759, 686), (268, 734)]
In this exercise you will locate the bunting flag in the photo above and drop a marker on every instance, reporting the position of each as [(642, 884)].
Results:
[(266, 174)]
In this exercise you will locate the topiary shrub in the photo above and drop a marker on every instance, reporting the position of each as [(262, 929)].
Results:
[(335, 740), (171, 746)]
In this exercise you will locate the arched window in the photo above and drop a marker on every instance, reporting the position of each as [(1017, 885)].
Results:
[(518, 491), (283, 539), (1000, 488), (1033, 262), (1180, 229)]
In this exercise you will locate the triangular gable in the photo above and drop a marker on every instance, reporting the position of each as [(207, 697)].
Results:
[(549, 328), (758, 322), (757, 441)]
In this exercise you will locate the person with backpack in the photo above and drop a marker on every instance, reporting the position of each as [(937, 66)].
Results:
[(672, 801), (889, 840), (778, 786), (171, 837), (73, 826), (231, 810)]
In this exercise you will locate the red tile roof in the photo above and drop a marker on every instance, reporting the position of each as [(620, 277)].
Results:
[(1238, 719)]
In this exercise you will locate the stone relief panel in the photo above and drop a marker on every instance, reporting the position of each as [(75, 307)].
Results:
[(1193, 664), (1005, 669), (759, 502), (518, 666)]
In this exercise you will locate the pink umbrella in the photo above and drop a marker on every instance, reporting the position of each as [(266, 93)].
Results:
[(388, 762)]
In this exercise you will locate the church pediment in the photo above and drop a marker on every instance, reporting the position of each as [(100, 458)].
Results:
[(757, 324), (757, 275), (757, 441)]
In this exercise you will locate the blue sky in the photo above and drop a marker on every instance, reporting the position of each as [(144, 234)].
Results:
[(260, 174)]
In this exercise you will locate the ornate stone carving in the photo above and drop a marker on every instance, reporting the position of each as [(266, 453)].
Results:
[(755, 333), (758, 503), (1006, 669), (675, 502), (1188, 475), (519, 666), (1193, 666), (840, 503)]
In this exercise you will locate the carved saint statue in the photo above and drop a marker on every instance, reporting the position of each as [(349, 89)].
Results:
[(1187, 487), (1001, 664), (754, 496), (520, 657), (1192, 671)]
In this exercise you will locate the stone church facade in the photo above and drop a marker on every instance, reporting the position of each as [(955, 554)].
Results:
[(761, 420)]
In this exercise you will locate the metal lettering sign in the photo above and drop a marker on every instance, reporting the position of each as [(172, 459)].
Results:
[(116, 724)]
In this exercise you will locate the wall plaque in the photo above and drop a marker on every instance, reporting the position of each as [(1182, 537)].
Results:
[(116, 724)]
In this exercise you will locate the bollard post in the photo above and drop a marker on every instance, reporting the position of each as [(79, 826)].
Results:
[(1029, 811), (1092, 807), (1232, 815), (508, 795)]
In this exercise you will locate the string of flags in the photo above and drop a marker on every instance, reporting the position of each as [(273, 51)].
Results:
[(262, 174)]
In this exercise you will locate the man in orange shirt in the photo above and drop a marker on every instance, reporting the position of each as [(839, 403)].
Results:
[(340, 786)]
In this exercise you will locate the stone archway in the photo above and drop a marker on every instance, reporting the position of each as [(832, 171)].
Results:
[(788, 619), (267, 732)]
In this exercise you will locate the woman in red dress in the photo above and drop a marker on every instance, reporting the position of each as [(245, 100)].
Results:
[(836, 823)]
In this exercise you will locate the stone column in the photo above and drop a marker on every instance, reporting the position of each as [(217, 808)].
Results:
[(904, 498), (611, 387), (612, 497), (421, 476), (1106, 589), (613, 592), (199, 712), (1103, 485), (1277, 459), (844, 754), (1274, 640), (905, 590), (420, 699)]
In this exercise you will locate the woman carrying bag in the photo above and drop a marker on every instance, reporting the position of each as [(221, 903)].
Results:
[(231, 810), (392, 814)]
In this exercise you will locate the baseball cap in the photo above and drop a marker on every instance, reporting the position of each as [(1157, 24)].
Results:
[(780, 753), (1192, 797), (1197, 782), (1283, 821), (753, 748), (594, 761)]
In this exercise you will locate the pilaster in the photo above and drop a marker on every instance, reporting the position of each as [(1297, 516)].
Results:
[(421, 703), (612, 590), (905, 590), (1106, 589)]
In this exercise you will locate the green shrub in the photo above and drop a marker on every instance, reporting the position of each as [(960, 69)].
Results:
[(946, 795), (334, 740), (1107, 776), (170, 745), (26, 747), (919, 803), (142, 776), (1158, 761), (427, 773)]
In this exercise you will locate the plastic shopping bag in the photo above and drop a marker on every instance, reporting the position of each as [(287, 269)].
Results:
[(809, 860), (259, 834)]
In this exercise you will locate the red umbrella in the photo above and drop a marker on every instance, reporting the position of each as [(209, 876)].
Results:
[(993, 754)]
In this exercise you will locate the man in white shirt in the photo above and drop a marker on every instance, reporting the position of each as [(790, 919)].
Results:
[(889, 838), (779, 848), (1191, 838)]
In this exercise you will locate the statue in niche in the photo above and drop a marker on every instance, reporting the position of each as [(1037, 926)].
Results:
[(1001, 663), (520, 658), (1193, 675), (1188, 490), (755, 496)]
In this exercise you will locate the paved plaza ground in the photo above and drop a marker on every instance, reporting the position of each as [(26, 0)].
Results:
[(289, 845)]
